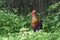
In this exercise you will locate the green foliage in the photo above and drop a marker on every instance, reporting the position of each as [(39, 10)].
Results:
[(30, 35), (39, 35), (53, 7), (51, 21), (25, 21), (9, 22)]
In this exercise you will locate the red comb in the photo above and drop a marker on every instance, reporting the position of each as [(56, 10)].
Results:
[(33, 11)]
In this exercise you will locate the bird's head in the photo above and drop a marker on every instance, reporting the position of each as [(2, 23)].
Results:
[(33, 12)]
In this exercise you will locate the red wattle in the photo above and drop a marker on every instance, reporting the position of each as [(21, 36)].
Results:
[(33, 14)]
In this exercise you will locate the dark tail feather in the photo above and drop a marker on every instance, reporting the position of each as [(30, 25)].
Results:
[(38, 26)]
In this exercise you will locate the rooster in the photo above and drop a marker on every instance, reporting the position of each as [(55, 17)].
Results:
[(36, 23)]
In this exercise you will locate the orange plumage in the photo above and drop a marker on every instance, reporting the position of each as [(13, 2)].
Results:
[(36, 24)]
